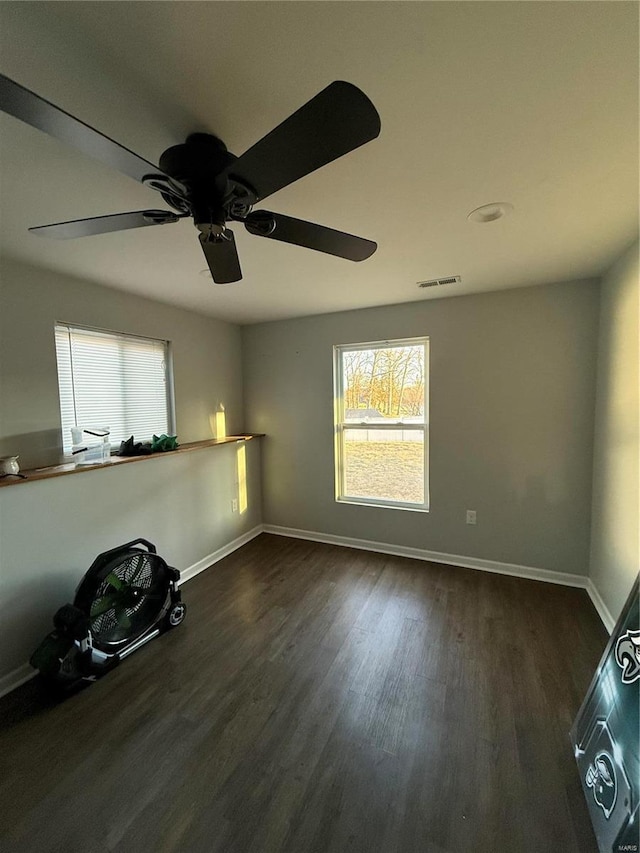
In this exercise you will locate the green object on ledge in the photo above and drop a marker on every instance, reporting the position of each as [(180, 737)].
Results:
[(164, 442)]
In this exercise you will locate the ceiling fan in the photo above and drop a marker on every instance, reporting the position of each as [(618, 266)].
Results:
[(202, 180)]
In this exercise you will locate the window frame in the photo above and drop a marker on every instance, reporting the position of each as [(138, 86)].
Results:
[(116, 336), (340, 424)]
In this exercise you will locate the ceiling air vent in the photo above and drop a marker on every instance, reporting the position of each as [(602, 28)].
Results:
[(435, 282)]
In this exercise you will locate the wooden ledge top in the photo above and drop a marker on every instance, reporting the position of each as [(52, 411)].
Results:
[(71, 468)]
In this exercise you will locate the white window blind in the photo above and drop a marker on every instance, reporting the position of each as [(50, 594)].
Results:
[(113, 380)]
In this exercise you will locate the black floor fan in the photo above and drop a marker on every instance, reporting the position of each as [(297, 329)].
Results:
[(128, 597)]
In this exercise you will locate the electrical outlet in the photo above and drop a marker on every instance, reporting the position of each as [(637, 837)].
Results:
[(234, 505), (471, 516)]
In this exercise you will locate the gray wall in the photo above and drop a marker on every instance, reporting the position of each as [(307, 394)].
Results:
[(615, 557), (206, 356), (51, 530), (512, 398)]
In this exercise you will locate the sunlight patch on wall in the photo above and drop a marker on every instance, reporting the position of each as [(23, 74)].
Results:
[(241, 461), (218, 423)]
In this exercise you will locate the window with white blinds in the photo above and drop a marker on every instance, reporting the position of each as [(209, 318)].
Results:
[(113, 380)]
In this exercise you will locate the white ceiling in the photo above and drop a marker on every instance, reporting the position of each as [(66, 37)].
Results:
[(533, 103)]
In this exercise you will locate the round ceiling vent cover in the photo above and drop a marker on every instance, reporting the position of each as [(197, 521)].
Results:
[(490, 212)]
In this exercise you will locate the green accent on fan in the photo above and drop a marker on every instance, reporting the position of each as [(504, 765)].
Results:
[(103, 604), (115, 581), (122, 619)]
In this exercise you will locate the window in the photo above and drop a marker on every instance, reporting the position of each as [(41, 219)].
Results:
[(381, 423), (113, 380)]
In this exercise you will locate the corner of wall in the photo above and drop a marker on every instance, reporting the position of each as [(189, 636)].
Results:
[(615, 545)]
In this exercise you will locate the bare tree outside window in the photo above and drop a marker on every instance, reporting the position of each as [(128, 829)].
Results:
[(381, 423)]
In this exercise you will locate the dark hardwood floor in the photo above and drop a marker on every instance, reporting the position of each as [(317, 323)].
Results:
[(319, 699)]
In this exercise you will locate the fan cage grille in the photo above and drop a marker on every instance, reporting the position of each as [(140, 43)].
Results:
[(128, 600)]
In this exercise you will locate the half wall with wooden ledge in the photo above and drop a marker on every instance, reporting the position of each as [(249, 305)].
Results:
[(199, 502)]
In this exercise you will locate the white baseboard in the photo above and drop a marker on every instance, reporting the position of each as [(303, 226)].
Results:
[(530, 572), (512, 569), (23, 673), (14, 679), (218, 555), (603, 611)]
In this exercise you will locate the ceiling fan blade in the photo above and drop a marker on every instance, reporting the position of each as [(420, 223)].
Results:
[(104, 224), (222, 257), (276, 226), (45, 116), (334, 122)]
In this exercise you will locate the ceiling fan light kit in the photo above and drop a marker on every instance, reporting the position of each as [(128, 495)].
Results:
[(202, 180)]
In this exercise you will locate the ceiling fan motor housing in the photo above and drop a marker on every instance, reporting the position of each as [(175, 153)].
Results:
[(200, 164)]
